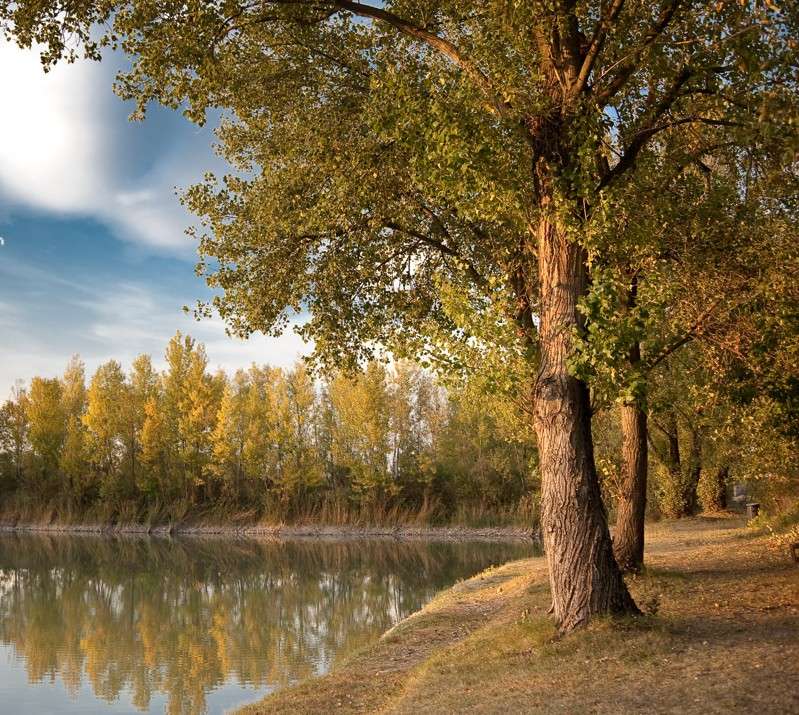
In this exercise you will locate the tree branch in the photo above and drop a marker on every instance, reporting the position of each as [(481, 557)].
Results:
[(684, 339), (439, 245), (496, 105), (640, 138), (669, 349), (595, 45), (630, 64)]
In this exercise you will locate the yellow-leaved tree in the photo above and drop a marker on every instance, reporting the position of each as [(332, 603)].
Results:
[(46, 426), (229, 436), (74, 458), (299, 468), (360, 431), (105, 421)]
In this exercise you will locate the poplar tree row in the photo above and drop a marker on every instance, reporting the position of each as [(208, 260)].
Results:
[(385, 443)]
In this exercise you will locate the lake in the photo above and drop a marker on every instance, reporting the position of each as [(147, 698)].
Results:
[(127, 625)]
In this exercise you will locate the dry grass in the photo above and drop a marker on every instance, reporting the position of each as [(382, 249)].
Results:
[(722, 636), (338, 512)]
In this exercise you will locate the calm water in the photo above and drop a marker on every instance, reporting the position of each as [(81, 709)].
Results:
[(129, 625)]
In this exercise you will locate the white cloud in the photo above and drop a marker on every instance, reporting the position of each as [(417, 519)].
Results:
[(134, 319), (122, 321), (134, 198), (67, 147), (52, 153)]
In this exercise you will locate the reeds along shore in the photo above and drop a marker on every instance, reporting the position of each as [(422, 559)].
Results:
[(472, 524)]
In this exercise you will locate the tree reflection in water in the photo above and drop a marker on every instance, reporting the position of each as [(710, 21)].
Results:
[(183, 617)]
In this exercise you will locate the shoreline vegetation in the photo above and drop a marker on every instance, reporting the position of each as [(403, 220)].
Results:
[(284, 531), (720, 633), (387, 446)]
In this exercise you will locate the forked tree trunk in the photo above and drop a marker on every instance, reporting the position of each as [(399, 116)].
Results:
[(584, 576), (628, 537), (676, 508)]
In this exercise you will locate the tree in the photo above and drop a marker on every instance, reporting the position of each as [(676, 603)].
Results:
[(105, 421), (688, 410), (538, 111), (14, 429), (179, 435), (296, 413), (713, 489), (489, 461), (361, 439), (46, 423), (197, 407), (74, 387), (227, 442), (258, 451), (156, 448), (143, 386), (412, 401), (686, 264), (178, 357), (74, 460)]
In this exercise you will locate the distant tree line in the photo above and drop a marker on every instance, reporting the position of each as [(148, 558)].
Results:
[(384, 443)]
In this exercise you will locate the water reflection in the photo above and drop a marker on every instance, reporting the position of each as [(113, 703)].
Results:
[(160, 624)]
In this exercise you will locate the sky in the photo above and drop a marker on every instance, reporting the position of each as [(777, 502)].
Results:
[(93, 258)]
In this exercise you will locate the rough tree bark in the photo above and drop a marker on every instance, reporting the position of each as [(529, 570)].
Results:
[(628, 537), (583, 573)]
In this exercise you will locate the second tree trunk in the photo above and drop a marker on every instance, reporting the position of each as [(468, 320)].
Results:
[(628, 537)]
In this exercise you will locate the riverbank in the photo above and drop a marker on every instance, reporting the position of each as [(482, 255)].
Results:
[(284, 531), (721, 636)]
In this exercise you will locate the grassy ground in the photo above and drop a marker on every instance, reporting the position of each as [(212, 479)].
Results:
[(722, 635)]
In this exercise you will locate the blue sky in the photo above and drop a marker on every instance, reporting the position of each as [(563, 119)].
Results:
[(94, 259)]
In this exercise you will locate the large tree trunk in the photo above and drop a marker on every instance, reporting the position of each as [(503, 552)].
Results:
[(584, 576), (628, 537)]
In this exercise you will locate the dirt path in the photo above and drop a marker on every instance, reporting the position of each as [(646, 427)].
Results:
[(723, 636)]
